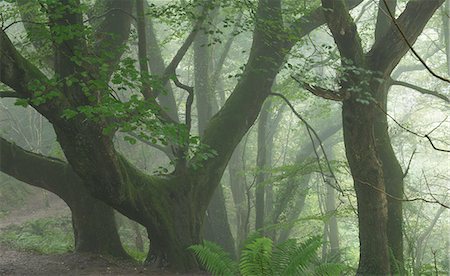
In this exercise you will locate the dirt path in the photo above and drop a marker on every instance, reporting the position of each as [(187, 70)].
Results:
[(16, 262)]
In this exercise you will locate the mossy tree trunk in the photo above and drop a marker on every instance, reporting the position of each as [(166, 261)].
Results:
[(93, 221)]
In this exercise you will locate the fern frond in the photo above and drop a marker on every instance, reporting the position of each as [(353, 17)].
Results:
[(295, 259), (256, 258), (214, 259), (330, 269)]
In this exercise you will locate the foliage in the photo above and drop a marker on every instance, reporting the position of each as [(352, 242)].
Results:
[(47, 235), (261, 257)]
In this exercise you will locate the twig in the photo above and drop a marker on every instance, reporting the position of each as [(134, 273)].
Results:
[(411, 131), (409, 163), (311, 131)]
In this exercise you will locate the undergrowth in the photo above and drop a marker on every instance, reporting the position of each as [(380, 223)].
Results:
[(47, 235)]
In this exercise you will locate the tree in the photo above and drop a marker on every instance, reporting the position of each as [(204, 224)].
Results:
[(364, 130), (74, 99)]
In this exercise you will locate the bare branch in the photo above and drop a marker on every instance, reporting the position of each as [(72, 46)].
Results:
[(411, 131), (409, 163), (163, 149), (172, 66), (312, 132), (420, 89)]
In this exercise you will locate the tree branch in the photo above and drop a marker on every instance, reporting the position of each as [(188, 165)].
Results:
[(322, 92), (410, 44), (344, 32), (305, 24), (401, 35), (37, 170), (172, 66), (420, 89)]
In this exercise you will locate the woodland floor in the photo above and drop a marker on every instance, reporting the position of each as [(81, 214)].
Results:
[(17, 262)]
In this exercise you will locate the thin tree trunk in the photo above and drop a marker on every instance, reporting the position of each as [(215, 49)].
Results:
[(216, 225), (262, 164), (238, 192)]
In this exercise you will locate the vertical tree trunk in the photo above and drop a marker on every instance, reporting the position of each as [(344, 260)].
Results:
[(262, 163), (215, 229), (331, 224), (367, 173), (216, 225), (238, 191), (393, 181), (95, 227)]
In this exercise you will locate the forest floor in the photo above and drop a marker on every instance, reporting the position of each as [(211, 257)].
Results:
[(18, 262)]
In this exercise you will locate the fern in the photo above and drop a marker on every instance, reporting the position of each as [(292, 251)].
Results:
[(214, 259), (260, 257), (256, 258), (328, 269), (299, 256)]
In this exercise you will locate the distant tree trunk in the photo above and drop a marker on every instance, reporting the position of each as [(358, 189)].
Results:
[(446, 30), (216, 226), (93, 221), (238, 192), (294, 213), (331, 225), (293, 183), (262, 164), (422, 239)]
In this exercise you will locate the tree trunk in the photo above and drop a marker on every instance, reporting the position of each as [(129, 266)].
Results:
[(215, 228), (216, 225), (331, 224), (94, 227), (262, 164), (93, 222), (239, 194), (367, 173), (393, 181)]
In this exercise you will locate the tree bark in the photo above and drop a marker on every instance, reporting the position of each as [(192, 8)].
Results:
[(393, 181)]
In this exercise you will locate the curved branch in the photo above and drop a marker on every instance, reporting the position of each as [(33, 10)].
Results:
[(37, 170)]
